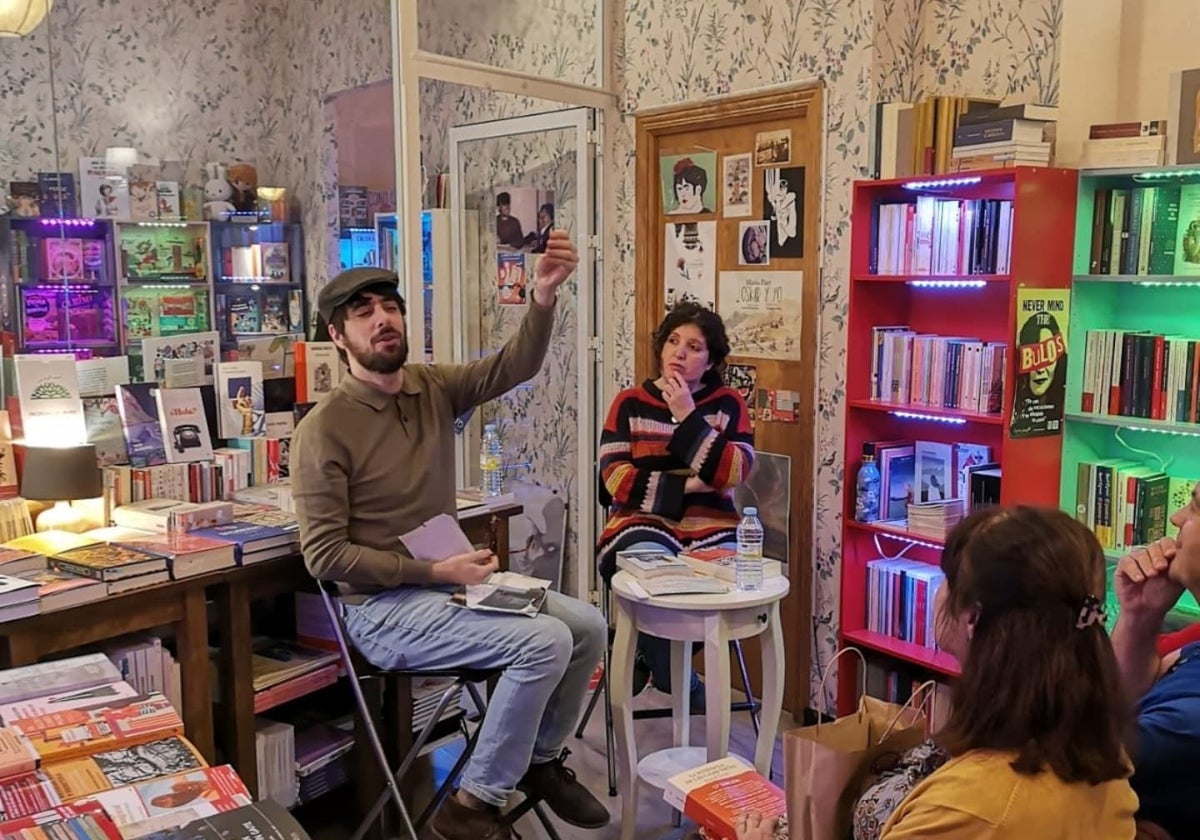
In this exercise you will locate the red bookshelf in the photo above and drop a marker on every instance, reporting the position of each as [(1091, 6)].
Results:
[(982, 306)]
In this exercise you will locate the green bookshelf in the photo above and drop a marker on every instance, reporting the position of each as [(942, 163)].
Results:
[(1120, 298)]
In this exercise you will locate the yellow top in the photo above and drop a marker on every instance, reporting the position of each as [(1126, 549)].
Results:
[(978, 796)]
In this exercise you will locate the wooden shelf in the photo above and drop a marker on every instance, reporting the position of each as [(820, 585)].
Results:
[(1137, 423), (935, 660), (933, 412)]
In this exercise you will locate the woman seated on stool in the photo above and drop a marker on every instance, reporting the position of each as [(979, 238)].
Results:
[(672, 451)]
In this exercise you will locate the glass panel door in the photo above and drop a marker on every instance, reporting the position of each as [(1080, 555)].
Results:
[(510, 181)]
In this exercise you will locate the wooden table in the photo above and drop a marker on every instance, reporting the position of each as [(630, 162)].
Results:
[(180, 603), (243, 586)]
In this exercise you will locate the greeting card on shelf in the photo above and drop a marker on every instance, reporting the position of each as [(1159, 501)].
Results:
[(241, 407), (48, 390), (204, 347)]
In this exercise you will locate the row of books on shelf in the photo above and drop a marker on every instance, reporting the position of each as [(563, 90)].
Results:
[(912, 368), (1131, 373), (1137, 231), (1126, 503), (1125, 144), (927, 471), (943, 236), (900, 599), (898, 684), (83, 753)]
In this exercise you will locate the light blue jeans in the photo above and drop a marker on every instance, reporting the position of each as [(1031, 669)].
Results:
[(547, 660)]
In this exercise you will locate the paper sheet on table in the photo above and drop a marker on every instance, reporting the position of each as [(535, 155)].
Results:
[(437, 539)]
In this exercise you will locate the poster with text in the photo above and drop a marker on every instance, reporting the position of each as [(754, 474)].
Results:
[(762, 312), (1039, 394), (690, 263)]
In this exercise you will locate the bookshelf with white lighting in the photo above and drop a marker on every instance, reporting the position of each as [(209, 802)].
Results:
[(1005, 230), (1134, 340)]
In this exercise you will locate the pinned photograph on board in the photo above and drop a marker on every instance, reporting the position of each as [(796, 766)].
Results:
[(690, 263), (755, 245), (744, 380), (510, 278), (524, 218), (689, 183), (736, 198), (772, 148), (783, 207)]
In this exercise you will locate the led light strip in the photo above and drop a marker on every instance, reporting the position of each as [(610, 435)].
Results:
[(948, 284), (69, 222), (935, 418), (1175, 432), (944, 182), (164, 224), (1176, 284), (907, 539)]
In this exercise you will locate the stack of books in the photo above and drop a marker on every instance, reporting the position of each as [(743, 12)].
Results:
[(321, 751), (1125, 144), (934, 519), (1001, 138), (658, 573), (82, 747)]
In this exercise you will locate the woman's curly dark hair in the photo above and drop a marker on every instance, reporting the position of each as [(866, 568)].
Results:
[(711, 327)]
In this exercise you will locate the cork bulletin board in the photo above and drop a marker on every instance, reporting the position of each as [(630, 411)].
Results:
[(727, 213)]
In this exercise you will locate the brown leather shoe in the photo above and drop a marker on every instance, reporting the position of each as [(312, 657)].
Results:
[(455, 821), (555, 784)]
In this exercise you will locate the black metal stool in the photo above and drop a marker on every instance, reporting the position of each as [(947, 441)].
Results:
[(359, 670)]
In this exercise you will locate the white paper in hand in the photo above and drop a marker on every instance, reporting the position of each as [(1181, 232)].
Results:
[(437, 539)]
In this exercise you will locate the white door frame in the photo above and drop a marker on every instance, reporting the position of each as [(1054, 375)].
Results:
[(588, 303), (410, 65)]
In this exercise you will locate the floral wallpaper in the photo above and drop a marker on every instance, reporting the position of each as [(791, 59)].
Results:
[(978, 47)]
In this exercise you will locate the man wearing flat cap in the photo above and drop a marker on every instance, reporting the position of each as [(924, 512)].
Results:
[(375, 459)]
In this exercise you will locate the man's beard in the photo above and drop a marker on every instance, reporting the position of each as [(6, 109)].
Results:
[(382, 361)]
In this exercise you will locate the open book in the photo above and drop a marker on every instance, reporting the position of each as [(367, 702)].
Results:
[(505, 592)]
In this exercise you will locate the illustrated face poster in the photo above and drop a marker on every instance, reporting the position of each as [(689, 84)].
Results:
[(762, 312), (736, 198), (769, 488), (783, 208), (690, 263), (689, 183), (1039, 394), (510, 278)]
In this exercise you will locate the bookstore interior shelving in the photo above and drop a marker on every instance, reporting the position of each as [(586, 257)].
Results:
[(938, 265), (258, 277), (1131, 443)]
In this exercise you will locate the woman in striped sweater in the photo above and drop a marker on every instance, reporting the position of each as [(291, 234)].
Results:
[(672, 450)]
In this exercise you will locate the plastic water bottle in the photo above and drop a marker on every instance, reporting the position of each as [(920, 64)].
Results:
[(867, 487), (491, 461), (748, 570)]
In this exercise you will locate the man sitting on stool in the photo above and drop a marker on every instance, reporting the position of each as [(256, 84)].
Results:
[(375, 459)]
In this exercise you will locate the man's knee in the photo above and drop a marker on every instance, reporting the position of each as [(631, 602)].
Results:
[(593, 633), (549, 647)]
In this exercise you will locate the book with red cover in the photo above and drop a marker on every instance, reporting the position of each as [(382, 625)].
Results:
[(714, 794), (24, 796), (79, 732), (81, 819)]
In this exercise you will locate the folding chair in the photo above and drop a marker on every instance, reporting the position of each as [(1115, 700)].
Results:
[(750, 704), (359, 670)]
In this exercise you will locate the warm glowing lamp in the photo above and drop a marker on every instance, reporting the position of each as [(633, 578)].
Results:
[(20, 17), (61, 475)]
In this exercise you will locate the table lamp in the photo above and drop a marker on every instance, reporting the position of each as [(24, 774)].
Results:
[(61, 475)]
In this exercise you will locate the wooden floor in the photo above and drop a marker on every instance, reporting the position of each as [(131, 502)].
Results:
[(588, 761)]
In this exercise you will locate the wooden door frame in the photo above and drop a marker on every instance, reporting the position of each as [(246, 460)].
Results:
[(801, 101)]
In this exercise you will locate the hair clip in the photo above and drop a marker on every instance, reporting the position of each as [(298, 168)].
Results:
[(1092, 612)]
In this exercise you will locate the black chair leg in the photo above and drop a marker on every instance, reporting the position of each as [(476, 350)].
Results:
[(610, 738), (754, 704), (591, 707)]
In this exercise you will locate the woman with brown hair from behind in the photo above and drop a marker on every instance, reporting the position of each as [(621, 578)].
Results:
[(1035, 733)]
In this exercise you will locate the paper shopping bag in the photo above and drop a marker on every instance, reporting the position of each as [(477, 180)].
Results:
[(825, 766)]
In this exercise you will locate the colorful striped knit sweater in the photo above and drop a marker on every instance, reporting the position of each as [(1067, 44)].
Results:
[(645, 459)]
